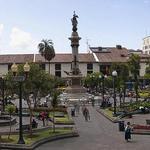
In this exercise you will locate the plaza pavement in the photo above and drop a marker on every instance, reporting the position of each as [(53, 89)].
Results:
[(100, 134)]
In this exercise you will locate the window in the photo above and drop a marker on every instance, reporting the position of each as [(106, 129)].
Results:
[(42, 66), (57, 66), (105, 69), (58, 73), (89, 68), (146, 47), (58, 70)]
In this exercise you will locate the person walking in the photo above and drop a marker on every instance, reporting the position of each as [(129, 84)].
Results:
[(128, 131), (86, 114), (78, 108)]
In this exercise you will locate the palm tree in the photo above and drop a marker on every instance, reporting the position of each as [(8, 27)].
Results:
[(46, 50)]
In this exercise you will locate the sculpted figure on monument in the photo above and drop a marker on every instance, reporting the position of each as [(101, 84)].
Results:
[(74, 22)]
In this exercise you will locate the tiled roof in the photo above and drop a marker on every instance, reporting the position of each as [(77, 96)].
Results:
[(109, 55), (86, 57), (16, 58), (66, 58), (58, 58), (112, 54)]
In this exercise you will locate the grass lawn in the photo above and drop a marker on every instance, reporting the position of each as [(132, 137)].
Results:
[(108, 112), (65, 119), (35, 137)]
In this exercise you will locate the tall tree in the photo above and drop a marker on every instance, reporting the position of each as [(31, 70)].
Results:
[(123, 75), (46, 50), (38, 83), (54, 102), (10, 109), (134, 66)]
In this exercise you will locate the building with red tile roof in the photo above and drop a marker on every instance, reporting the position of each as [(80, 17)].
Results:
[(99, 60)]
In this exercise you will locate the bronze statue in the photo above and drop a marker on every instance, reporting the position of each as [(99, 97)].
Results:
[(74, 22)]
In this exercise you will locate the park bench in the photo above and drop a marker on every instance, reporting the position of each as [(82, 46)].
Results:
[(27, 126)]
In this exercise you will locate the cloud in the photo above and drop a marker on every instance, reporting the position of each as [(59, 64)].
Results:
[(1, 28), (21, 40)]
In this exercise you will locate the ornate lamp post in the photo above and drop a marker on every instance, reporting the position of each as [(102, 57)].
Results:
[(114, 74), (20, 80), (103, 85)]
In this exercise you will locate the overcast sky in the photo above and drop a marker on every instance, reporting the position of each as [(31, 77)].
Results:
[(24, 23)]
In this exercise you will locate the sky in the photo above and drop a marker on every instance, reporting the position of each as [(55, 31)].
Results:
[(24, 23)]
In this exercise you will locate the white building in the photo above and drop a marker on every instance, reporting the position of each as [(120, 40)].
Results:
[(99, 60), (146, 45)]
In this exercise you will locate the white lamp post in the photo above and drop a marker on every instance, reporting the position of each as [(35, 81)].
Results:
[(114, 74)]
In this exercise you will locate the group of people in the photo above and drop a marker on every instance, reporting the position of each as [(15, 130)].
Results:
[(106, 103), (76, 110)]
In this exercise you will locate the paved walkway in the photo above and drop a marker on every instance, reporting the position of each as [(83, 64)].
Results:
[(98, 134)]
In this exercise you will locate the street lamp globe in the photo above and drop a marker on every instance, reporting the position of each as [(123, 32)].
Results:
[(14, 68), (100, 76), (105, 76), (26, 67), (114, 73)]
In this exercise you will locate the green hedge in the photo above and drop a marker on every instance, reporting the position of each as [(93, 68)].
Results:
[(60, 109)]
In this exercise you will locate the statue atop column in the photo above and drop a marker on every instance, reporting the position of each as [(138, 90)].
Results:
[(75, 71), (74, 22)]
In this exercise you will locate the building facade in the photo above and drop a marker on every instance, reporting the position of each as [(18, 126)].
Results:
[(99, 60), (146, 45)]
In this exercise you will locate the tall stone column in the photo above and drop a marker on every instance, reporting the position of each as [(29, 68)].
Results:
[(75, 44), (75, 75)]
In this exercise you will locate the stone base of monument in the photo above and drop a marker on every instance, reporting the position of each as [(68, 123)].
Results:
[(75, 89), (75, 86)]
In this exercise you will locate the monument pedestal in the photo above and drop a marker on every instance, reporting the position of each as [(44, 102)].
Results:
[(75, 85)]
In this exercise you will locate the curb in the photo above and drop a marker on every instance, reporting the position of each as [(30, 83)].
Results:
[(38, 143), (106, 116), (116, 121)]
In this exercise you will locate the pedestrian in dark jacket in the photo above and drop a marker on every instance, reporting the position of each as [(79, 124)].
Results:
[(128, 131), (86, 114)]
